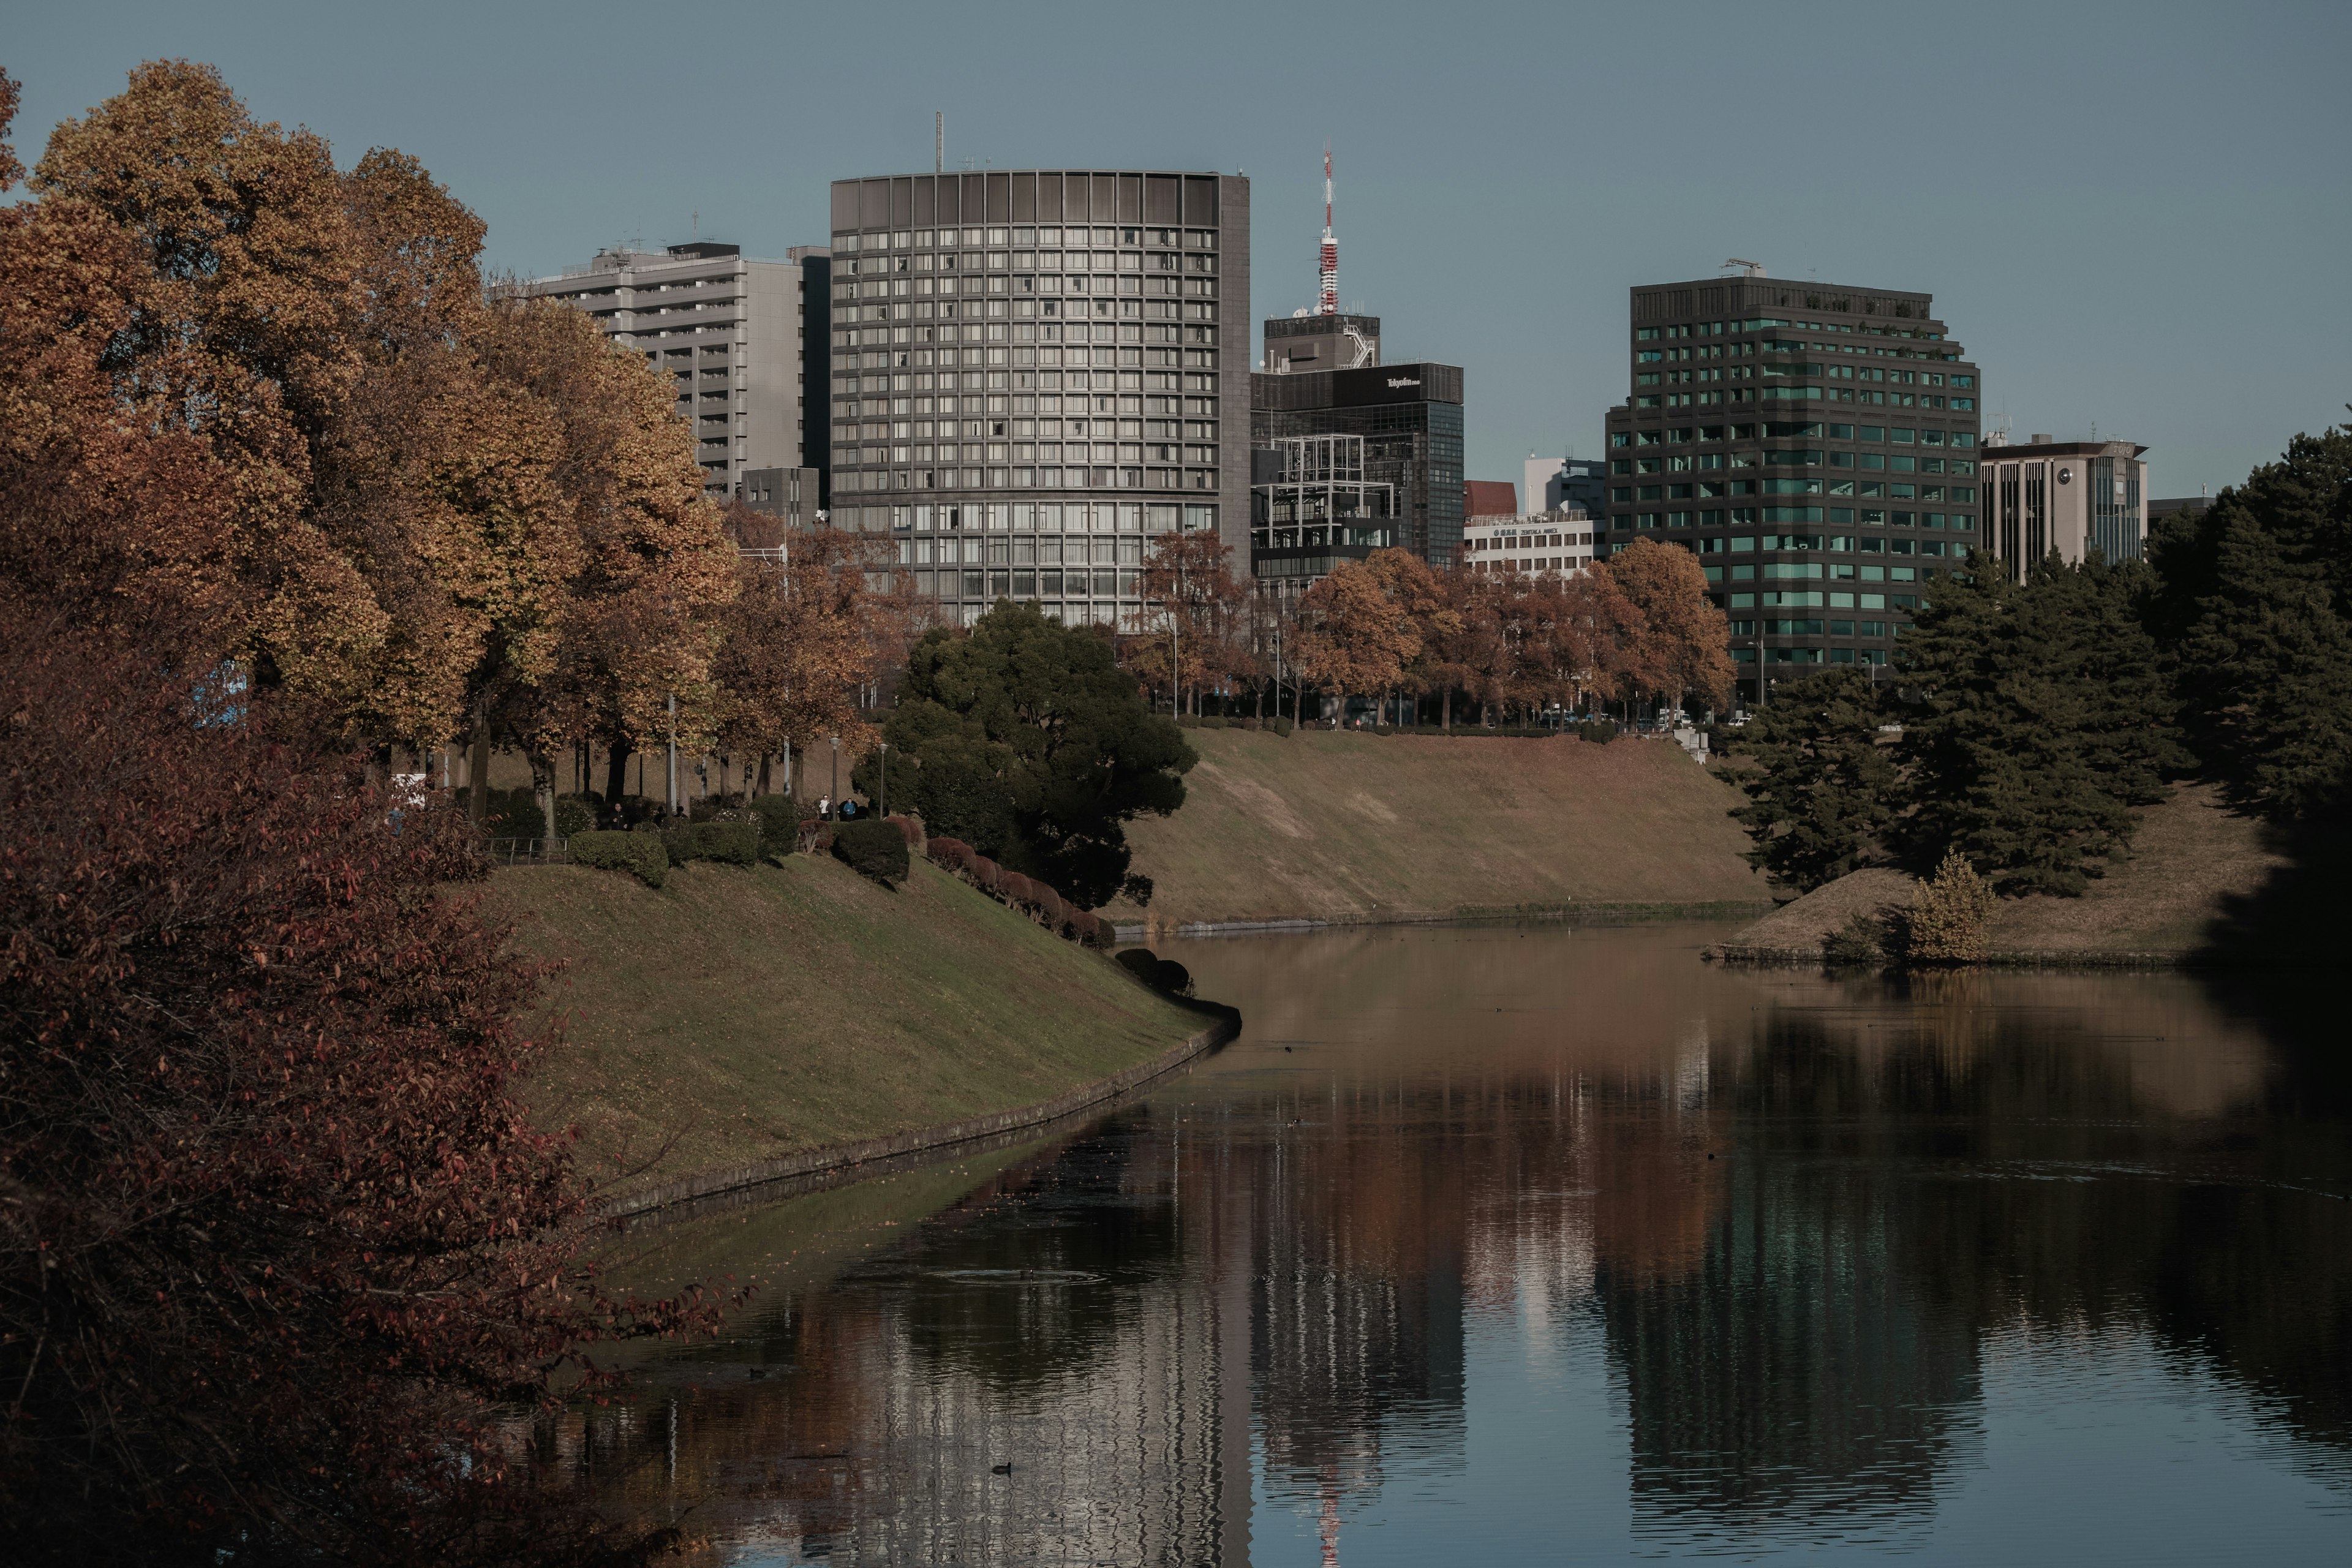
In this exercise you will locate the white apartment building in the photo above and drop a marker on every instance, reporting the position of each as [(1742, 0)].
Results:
[(744, 339), (1533, 544)]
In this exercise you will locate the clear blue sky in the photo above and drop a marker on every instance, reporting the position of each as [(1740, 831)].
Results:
[(2133, 216)]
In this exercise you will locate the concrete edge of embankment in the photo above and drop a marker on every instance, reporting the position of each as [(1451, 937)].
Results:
[(848, 1161), (1620, 913), (2016, 958)]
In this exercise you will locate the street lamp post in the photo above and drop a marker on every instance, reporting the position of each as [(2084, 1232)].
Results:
[(886, 778), (673, 754), (834, 740)]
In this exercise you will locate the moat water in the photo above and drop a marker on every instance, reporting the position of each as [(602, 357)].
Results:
[(1545, 1245)]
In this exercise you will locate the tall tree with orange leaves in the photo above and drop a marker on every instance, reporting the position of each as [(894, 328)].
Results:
[(428, 516), (1683, 646)]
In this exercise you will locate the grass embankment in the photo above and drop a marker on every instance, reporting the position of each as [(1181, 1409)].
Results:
[(756, 1013), (2193, 864), (1342, 826)]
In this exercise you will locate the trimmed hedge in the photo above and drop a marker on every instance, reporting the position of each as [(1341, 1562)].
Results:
[(641, 853), (731, 843), (872, 848)]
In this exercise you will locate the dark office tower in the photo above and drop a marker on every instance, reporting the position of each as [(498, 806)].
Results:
[(1037, 371), (1814, 444), (1409, 417)]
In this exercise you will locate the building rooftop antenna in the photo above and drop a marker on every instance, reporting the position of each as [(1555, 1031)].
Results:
[(1747, 269), (939, 141), (1327, 296)]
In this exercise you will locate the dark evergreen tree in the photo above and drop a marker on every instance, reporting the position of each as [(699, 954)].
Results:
[(1825, 791), (1045, 751), (2257, 599), (2037, 720)]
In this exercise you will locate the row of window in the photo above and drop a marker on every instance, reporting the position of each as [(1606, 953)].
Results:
[(1021, 284), (1099, 233), (1810, 655), (1050, 381), (1026, 550), (1049, 402), (1101, 452), (1028, 429), (1096, 477), (1704, 489), (1813, 572), (1818, 598), (1804, 395), (1900, 434), (1018, 584), (1809, 629), (1739, 516), (1773, 346), (1052, 517), (1766, 323), (1797, 458)]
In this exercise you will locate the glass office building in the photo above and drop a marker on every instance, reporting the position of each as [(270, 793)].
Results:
[(1816, 446), (1409, 420), (1035, 371)]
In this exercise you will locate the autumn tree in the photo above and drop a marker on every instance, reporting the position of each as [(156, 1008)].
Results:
[(1198, 634), (1354, 636), (111, 503), (1682, 642), (1408, 585), (431, 515), (802, 635), (280, 1251)]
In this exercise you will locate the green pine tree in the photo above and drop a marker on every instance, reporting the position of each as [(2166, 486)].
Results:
[(1044, 749), (2257, 598), (1825, 791), (2038, 719)]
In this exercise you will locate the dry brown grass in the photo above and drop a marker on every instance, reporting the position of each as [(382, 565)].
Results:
[(2191, 855), (754, 1013), (1335, 826)]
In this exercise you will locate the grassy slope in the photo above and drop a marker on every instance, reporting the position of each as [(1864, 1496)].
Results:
[(2190, 855), (759, 1012), (1347, 826)]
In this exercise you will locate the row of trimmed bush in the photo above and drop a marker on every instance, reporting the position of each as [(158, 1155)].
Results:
[(650, 850), (1039, 901), (1602, 731), (1271, 726)]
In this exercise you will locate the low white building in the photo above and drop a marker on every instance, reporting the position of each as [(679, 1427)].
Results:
[(1529, 544), (2067, 497)]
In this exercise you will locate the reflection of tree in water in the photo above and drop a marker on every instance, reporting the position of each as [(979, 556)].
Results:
[(1788, 1378), (1905, 1184)]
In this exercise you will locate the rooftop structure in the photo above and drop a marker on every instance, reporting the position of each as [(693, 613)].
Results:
[(1311, 506)]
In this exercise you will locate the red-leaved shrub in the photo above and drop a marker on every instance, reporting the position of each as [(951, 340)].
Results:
[(278, 1247)]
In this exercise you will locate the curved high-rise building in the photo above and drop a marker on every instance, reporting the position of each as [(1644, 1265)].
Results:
[(1037, 371)]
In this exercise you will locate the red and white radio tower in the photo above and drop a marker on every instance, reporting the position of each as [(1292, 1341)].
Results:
[(1327, 302)]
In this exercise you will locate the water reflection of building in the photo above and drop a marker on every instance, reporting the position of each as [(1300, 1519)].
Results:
[(1788, 1224)]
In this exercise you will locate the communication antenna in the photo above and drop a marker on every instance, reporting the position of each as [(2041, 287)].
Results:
[(1327, 297), (939, 141), (1747, 269)]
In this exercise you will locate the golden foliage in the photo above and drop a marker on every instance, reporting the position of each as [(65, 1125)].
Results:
[(1946, 922), (235, 377)]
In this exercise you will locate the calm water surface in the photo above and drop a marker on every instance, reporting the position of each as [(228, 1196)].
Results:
[(1534, 1245)]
